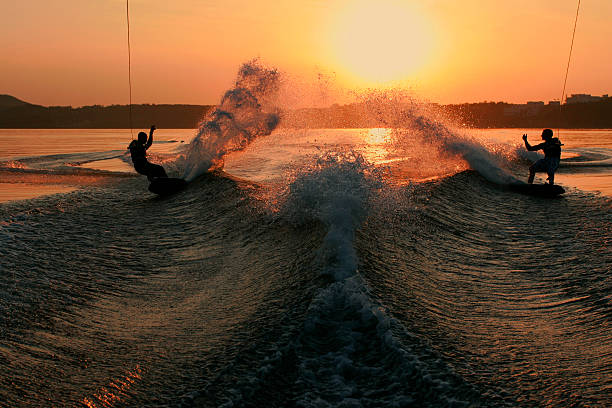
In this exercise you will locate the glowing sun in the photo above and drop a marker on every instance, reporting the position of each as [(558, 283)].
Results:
[(381, 41)]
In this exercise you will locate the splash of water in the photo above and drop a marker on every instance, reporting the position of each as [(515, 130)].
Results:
[(242, 116), (335, 190), (408, 117)]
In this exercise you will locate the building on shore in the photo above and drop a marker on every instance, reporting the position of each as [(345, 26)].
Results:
[(585, 98), (531, 108)]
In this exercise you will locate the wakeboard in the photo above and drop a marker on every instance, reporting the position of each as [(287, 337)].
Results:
[(166, 185), (538, 190)]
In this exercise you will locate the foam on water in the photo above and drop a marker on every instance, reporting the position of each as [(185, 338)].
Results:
[(335, 191), (347, 353)]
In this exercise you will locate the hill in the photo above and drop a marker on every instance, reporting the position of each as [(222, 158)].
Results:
[(16, 114), (8, 101)]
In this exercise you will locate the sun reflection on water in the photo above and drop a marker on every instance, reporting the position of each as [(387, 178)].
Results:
[(115, 391)]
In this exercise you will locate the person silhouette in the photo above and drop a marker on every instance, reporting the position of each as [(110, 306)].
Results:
[(138, 150), (552, 156)]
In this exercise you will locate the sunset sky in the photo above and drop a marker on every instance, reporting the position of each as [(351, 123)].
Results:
[(74, 52)]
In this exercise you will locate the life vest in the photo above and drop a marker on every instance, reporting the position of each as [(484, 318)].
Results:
[(552, 148), (137, 151)]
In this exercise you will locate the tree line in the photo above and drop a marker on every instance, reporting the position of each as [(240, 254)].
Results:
[(102, 117), (477, 115)]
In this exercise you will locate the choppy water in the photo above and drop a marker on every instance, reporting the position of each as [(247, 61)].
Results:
[(376, 267)]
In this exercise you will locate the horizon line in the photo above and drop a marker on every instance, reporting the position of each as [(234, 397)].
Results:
[(424, 102)]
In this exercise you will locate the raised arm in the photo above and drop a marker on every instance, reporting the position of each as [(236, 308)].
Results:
[(530, 147), (150, 140)]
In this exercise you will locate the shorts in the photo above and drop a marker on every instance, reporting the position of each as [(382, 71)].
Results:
[(546, 165), (149, 169)]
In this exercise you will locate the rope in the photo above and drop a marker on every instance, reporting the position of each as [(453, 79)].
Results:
[(127, 12), (569, 58)]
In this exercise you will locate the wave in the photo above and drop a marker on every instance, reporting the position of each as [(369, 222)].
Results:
[(62, 161), (301, 303), (588, 157), (347, 352)]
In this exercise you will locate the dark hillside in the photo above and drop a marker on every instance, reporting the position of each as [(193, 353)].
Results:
[(8, 101)]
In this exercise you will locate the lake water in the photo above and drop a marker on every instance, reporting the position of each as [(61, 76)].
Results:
[(50, 154), (320, 268)]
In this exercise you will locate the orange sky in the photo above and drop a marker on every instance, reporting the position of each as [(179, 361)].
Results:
[(73, 52)]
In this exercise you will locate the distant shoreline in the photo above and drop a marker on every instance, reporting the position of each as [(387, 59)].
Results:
[(16, 114)]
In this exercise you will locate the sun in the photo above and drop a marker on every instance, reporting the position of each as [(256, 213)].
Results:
[(381, 41)]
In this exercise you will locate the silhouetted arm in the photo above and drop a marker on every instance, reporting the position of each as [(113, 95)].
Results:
[(536, 147), (530, 147), (150, 140)]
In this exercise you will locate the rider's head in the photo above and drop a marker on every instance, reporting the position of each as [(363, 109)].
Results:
[(142, 137), (547, 134)]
